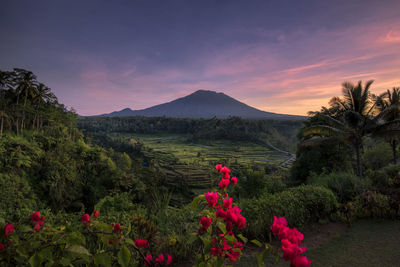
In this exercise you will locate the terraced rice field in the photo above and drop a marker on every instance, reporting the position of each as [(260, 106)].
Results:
[(189, 167)]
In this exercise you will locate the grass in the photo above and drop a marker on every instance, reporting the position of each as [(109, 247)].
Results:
[(365, 243)]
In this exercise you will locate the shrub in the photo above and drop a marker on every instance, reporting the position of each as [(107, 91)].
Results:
[(299, 205), (344, 185), (377, 156)]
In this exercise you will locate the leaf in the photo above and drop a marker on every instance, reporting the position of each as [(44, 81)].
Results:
[(77, 249), (192, 239), (35, 260), (102, 259), (222, 227), (244, 239), (124, 256), (129, 241), (256, 242), (65, 261), (76, 238), (196, 202), (260, 260)]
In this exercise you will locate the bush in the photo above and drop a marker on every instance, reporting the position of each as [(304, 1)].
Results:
[(377, 156), (299, 205), (344, 185)]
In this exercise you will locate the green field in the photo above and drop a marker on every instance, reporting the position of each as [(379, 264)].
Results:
[(208, 152)]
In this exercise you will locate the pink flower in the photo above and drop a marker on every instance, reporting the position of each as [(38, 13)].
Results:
[(233, 256), (301, 261), (294, 236), (205, 222), (2, 247), (35, 216), (149, 259), (160, 258), (228, 203), (95, 213), (8, 229), (224, 183), (117, 228), (238, 245), (85, 218), (39, 225), (212, 199), (225, 170), (241, 222), (216, 251), (291, 251), (280, 220), (141, 243), (218, 167), (220, 213), (169, 259), (234, 180)]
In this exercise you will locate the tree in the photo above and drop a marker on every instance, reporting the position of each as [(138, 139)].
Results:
[(388, 104), (349, 118)]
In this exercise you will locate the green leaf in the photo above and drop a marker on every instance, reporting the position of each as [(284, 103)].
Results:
[(65, 261), (35, 260), (244, 239), (222, 227), (124, 256), (102, 259), (77, 249), (260, 260), (129, 241), (256, 242), (196, 202), (76, 238), (192, 238)]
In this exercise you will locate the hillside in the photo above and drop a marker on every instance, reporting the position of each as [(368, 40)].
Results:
[(203, 104)]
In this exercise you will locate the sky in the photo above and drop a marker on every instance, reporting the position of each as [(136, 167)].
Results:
[(279, 56)]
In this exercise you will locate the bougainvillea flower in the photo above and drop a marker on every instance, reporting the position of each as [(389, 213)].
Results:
[(218, 167), (85, 218), (294, 236), (2, 247), (220, 213), (234, 180), (205, 222), (149, 259), (301, 261), (35, 216), (141, 243), (228, 203), (8, 229), (95, 213), (160, 258), (223, 183), (291, 251), (212, 198), (117, 228), (169, 259), (233, 256)]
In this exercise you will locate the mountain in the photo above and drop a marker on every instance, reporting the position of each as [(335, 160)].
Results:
[(203, 104)]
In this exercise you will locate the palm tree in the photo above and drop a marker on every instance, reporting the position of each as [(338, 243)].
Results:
[(349, 118), (388, 120)]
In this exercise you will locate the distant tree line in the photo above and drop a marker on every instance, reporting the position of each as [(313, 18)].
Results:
[(280, 133)]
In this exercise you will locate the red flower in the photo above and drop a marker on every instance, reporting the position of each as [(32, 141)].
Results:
[(2, 247), (117, 227), (241, 222), (216, 251), (291, 251), (226, 246), (205, 222), (238, 245), (38, 225), (218, 167), (233, 256), (95, 213), (160, 258), (220, 213), (141, 243), (300, 261), (223, 183), (169, 259), (294, 236), (110, 242), (35, 216), (85, 218), (212, 198), (234, 180), (225, 170), (228, 203), (149, 259), (8, 229)]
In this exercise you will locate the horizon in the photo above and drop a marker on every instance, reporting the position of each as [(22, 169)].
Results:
[(286, 57)]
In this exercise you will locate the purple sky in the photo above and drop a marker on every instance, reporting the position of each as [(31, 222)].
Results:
[(279, 56)]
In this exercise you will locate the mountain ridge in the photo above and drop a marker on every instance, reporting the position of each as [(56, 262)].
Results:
[(203, 104)]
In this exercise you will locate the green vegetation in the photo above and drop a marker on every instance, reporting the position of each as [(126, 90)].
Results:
[(145, 172)]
